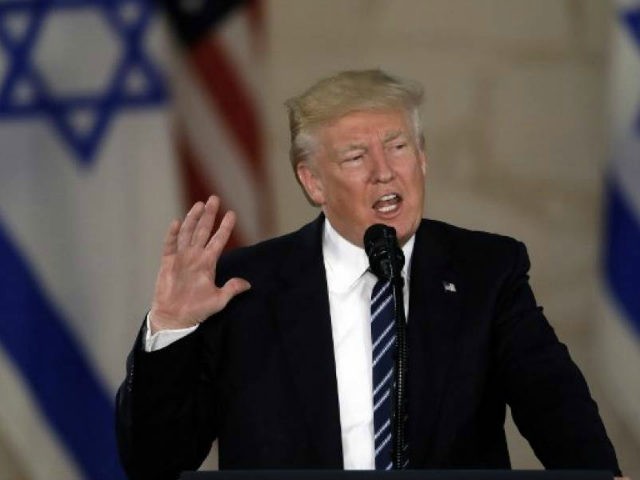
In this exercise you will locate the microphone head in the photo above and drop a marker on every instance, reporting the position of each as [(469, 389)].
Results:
[(385, 255)]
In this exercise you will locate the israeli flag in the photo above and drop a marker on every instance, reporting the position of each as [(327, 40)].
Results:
[(87, 187), (619, 331)]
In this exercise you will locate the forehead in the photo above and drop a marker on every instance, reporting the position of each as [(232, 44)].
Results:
[(358, 127)]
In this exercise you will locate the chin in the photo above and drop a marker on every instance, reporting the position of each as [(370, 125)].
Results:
[(405, 231)]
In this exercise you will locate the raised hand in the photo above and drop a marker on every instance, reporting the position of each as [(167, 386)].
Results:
[(185, 292)]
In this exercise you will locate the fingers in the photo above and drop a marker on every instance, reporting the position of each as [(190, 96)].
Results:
[(189, 225), (205, 223), (171, 239), (219, 239), (197, 225)]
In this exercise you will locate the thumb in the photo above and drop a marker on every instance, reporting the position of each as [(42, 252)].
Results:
[(233, 287)]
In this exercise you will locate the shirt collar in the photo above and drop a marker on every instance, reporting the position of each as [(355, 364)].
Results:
[(345, 262)]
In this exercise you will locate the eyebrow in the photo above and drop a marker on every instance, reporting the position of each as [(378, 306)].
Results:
[(388, 137), (351, 147)]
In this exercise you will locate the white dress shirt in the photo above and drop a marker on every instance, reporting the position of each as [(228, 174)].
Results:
[(349, 284)]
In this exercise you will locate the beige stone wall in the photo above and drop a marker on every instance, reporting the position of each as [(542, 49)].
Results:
[(516, 133)]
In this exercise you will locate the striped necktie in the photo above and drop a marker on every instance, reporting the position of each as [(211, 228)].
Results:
[(383, 338)]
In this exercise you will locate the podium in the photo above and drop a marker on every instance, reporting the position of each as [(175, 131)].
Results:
[(399, 475)]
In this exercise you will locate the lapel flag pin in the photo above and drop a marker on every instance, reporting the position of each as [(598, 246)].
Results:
[(449, 287)]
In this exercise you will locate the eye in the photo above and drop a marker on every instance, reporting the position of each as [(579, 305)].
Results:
[(357, 157), (397, 147)]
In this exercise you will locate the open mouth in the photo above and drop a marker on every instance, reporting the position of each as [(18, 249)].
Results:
[(387, 203)]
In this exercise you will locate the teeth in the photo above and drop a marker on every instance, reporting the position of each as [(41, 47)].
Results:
[(387, 203), (388, 208), (387, 197)]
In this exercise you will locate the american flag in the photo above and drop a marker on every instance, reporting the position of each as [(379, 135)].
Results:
[(215, 78)]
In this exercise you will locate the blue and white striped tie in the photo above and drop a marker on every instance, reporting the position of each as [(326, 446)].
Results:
[(383, 338)]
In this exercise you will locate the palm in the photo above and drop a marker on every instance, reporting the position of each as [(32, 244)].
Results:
[(186, 293)]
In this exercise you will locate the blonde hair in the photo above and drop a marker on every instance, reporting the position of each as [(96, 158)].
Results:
[(344, 93)]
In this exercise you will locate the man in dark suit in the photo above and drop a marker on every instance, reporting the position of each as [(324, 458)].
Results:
[(277, 362)]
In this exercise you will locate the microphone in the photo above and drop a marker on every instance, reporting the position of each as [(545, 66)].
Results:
[(385, 255), (386, 261)]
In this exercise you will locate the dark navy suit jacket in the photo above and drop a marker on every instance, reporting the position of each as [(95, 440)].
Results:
[(260, 375)]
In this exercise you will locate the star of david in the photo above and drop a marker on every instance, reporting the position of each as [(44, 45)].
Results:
[(81, 118), (632, 20)]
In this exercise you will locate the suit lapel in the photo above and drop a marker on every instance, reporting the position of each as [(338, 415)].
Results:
[(303, 319), (434, 312)]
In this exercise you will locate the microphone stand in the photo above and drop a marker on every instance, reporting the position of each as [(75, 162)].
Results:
[(386, 260), (400, 370)]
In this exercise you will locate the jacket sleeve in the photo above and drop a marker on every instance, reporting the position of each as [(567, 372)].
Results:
[(166, 413), (549, 398)]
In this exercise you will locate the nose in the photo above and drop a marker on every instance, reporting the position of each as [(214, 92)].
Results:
[(382, 171)]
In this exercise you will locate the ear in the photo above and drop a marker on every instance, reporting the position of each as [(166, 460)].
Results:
[(423, 161), (312, 184)]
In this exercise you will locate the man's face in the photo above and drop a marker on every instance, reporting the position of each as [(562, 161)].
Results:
[(367, 168)]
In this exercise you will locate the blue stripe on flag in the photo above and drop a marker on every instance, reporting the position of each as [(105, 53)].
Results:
[(53, 365), (622, 253)]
